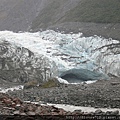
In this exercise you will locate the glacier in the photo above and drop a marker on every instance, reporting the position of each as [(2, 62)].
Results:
[(67, 52)]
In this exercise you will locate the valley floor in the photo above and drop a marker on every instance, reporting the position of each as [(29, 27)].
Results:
[(98, 98), (101, 94)]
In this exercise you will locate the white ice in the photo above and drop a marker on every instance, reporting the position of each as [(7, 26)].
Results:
[(70, 50), (4, 90)]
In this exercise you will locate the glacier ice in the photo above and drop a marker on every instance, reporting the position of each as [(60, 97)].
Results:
[(69, 51)]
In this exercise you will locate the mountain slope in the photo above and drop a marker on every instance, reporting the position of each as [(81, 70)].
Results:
[(91, 17), (52, 13), (98, 11), (18, 15), (88, 16)]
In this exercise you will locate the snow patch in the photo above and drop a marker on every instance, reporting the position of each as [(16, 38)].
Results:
[(4, 90), (66, 82)]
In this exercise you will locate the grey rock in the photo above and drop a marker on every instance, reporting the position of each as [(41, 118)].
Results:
[(109, 113), (30, 113), (23, 114), (16, 112), (116, 112), (77, 111), (91, 113), (98, 111)]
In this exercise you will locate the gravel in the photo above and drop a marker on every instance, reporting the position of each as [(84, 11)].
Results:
[(101, 94)]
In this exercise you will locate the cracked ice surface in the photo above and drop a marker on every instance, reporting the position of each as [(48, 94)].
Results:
[(71, 50)]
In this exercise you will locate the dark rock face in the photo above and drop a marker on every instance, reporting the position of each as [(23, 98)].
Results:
[(18, 64)]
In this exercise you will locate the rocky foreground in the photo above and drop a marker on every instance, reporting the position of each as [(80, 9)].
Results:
[(14, 107), (103, 93)]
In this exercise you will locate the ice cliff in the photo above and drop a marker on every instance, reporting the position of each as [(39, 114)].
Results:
[(60, 53)]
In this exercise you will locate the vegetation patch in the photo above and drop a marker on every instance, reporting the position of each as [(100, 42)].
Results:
[(52, 82), (30, 84)]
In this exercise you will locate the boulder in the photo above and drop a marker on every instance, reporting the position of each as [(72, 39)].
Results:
[(98, 112), (16, 112)]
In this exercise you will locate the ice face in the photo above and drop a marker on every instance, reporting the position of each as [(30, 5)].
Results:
[(70, 51)]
